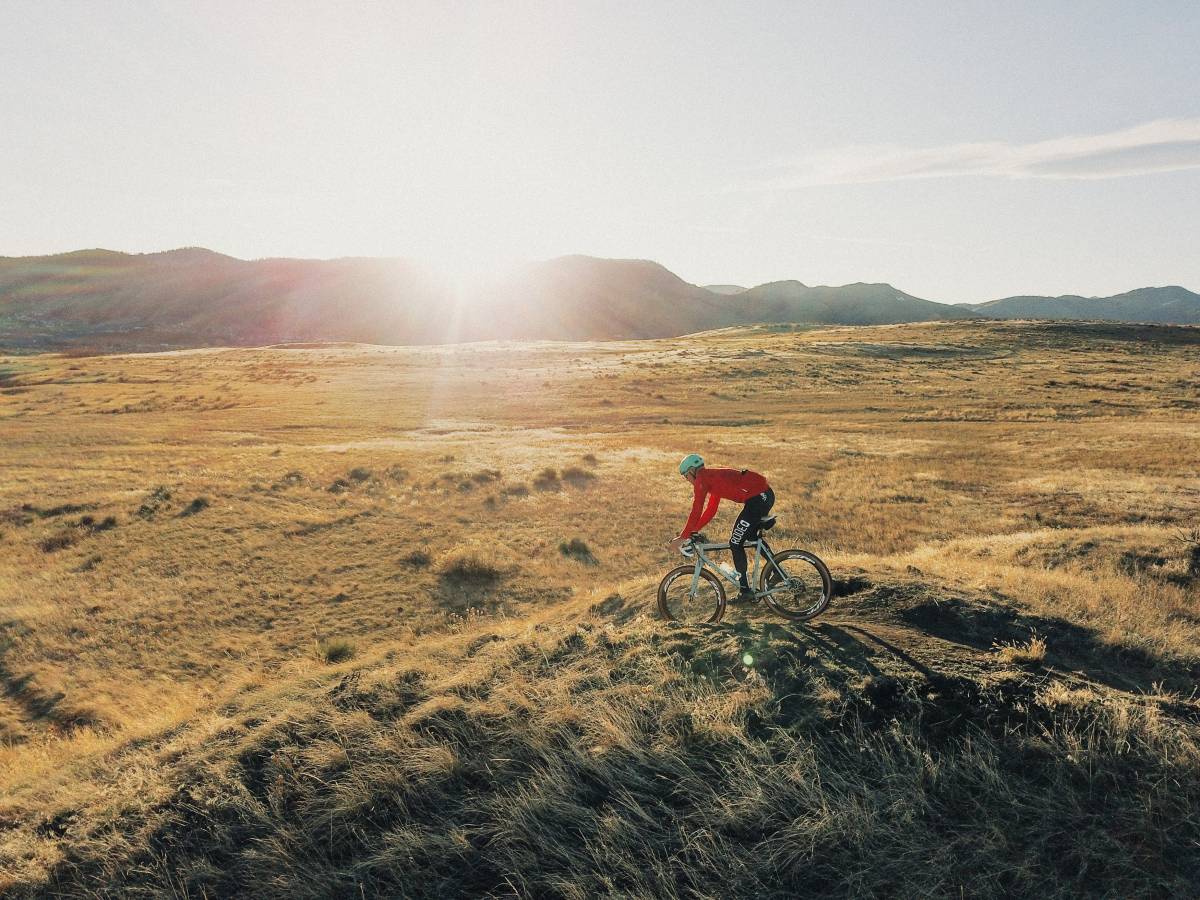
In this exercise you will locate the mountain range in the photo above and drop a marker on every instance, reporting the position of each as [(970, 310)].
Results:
[(1168, 305), (108, 301)]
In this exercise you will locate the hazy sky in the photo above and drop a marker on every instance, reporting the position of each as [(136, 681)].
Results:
[(961, 151)]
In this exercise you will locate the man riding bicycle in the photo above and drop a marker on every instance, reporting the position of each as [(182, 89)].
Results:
[(741, 485)]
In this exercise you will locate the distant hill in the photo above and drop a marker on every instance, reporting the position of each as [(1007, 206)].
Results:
[(1172, 305), (106, 301), (192, 297), (851, 304), (585, 298), (103, 300)]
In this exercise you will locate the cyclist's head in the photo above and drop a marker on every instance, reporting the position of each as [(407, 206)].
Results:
[(692, 463)]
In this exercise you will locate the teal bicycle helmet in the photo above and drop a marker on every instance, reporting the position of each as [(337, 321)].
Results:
[(690, 462)]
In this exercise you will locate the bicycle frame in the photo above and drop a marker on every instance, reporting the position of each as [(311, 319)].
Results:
[(762, 551)]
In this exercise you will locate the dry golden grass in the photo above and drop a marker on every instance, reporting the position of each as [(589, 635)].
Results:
[(178, 532), (1030, 653)]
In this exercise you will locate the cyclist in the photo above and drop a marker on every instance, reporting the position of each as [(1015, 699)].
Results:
[(742, 485)]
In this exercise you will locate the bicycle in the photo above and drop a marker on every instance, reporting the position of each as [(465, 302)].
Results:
[(788, 582)]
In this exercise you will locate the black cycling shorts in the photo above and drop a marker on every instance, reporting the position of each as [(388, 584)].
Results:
[(745, 529)]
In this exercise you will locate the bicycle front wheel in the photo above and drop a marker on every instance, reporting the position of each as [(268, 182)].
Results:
[(677, 602), (804, 588)]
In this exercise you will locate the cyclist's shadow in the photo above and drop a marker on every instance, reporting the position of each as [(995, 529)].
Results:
[(825, 646)]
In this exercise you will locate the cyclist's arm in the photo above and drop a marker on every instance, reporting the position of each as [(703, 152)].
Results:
[(709, 511), (693, 522)]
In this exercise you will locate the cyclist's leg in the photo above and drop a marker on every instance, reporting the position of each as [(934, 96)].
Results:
[(745, 531)]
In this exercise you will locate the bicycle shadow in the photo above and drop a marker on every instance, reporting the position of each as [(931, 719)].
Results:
[(825, 650)]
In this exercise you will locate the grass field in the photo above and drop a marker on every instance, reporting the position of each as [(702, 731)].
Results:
[(356, 621)]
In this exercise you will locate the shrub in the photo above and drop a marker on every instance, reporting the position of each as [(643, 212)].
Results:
[(158, 498), (200, 503), (17, 516), (339, 486), (396, 473), (486, 475), (360, 475), (60, 541), (476, 564), (546, 480), (577, 549), (577, 476), (335, 650), (470, 568), (418, 559), (62, 510), (515, 490), (90, 523), (590, 459)]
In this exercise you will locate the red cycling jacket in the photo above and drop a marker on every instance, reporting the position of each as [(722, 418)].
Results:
[(718, 485)]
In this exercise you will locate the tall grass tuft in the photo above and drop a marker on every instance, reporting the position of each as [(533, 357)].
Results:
[(1031, 653), (335, 650), (480, 563), (1190, 539)]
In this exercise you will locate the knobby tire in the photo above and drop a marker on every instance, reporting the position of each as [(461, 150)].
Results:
[(809, 571), (665, 600)]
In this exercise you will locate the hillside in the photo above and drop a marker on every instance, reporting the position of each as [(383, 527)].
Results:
[(372, 621), (1171, 305)]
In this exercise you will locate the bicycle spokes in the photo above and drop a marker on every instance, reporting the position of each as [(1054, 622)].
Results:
[(684, 597), (797, 585)]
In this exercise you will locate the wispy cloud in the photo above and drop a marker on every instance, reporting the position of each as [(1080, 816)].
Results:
[(1165, 145)]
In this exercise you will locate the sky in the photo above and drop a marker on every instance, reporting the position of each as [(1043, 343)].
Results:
[(961, 151)]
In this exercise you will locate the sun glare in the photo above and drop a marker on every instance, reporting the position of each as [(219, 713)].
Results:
[(468, 274)]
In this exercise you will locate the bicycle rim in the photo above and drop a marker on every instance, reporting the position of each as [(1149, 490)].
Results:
[(804, 592), (678, 603)]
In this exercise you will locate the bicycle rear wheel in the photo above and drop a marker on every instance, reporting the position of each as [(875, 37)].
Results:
[(804, 589), (677, 603)]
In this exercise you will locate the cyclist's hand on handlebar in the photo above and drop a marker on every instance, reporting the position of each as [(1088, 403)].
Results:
[(677, 543)]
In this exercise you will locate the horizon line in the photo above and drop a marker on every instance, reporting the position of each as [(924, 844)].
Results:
[(434, 268)]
